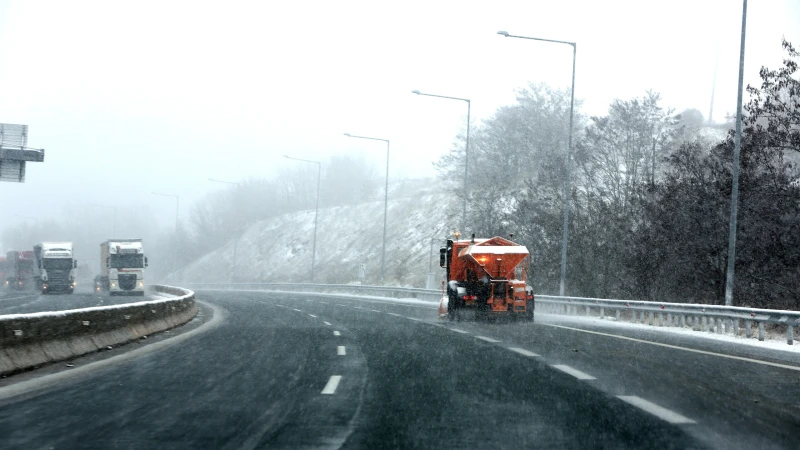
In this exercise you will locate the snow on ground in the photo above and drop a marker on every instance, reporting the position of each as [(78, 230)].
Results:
[(279, 249), (771, 341)]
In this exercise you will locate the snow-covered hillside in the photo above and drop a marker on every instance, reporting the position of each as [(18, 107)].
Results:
[(279, 249)]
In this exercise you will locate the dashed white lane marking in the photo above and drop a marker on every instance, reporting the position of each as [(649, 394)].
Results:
[(574, 372), (282, 306), (341, 305), (313, 316), (326, 323), (658, 411), (457, 330), (487, 339), (522, 351), (413, 318), (375, 310), (297, 310), (393, 314), (333, 383), (336, 333), (340, 350), (694, 350), (323, 303)]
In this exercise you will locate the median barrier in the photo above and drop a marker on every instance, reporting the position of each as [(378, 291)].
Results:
[(31, 340)]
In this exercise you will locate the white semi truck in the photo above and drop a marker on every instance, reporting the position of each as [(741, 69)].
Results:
[(54, 267), (122, 264)]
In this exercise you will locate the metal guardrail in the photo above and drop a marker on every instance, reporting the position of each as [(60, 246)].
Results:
[(706, 318)]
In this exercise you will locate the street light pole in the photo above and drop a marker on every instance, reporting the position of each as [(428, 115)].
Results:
[(385, 200), (466, 152), (316, 211), (235, 238), (177, 205), (737, 145), (568, 181)]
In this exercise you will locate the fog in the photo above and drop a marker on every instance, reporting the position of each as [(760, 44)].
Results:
[(158, 97)]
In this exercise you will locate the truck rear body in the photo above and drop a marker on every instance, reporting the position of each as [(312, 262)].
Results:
[(487, 276)]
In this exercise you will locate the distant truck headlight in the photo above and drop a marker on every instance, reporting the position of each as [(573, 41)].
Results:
[(141, 284)]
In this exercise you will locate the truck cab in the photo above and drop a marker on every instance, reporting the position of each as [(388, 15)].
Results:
[(20, 270), (123, 263), (54, 267)]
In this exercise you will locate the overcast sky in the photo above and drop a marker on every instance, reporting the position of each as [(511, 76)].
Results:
[(133, 97)]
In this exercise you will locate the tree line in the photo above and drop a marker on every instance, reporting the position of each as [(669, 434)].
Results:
[(650, 194)]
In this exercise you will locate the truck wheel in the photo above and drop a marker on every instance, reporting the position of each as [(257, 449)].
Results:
[(529, 306)]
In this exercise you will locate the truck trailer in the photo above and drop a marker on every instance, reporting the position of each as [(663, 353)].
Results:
[(54, 267), (122, 263), (3, 272), (20, 270), (485, 278)]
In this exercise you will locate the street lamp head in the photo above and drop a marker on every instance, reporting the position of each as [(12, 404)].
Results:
[(503, 33), (347, 134), (416, 92), (287, 156)]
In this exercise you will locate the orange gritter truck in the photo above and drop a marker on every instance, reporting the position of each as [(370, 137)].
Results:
[(485, 277)]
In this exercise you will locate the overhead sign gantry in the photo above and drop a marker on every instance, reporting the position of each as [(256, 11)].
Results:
[(14, 152)]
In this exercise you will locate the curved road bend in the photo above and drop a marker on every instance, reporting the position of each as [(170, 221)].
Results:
[(315, 372)]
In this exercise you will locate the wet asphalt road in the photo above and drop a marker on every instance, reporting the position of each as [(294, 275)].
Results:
[(410, 381), (23, 302)]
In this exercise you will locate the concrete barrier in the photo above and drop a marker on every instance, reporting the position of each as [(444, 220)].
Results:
[(31, 340)]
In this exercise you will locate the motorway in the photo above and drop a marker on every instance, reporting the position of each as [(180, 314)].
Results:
[(24, 302), (311, 371)]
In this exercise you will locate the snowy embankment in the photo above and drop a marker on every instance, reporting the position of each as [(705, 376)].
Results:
[(280, 249)]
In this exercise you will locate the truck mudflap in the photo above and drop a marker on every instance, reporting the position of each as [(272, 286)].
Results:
[(442, 311)]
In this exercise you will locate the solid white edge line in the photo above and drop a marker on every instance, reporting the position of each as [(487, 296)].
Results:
[(326, 323), (333, 383), (340, 350), (522, 351), (336, 333), (658, 411), (487, 339), (574, 372), (694, 350), (457, 330)]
